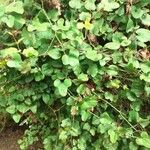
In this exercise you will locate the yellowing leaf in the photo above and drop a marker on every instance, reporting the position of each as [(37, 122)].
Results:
[(87, 24), (2, 63), (30, 52), (80, 25)]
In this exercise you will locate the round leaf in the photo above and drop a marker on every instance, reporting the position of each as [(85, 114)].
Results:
[(112, 45)]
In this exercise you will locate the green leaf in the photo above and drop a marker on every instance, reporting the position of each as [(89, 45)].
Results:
[(84, 15), (82, 144), (23, 108), (81, 89), (2, 10), (13, 64), (75, 4), (15, 7), (144, 122), (95, 121), (131, 96), (117, 57), (113, 136), (105, 118), (11, 109), (133, 116), (62, 86), (9, 20), (125, 42), (20, 97), (19, 22), (145, 67), (136, 12), (104, 61), (146, 19), (39, 76), (112, 70), (130, 25), (86, 126), (66, 123), (73, 57), (30, 52), (47, 69), (83, 77), (54, 53), (67, 82), (92, 70), (36, 25), (13, 54), (92, 131), (112, 45), (133, 146), (53, 14), (118, 37), (144, 140), (34, 109), (136, 106), (114, 84), (109, 96), (62, 89), (145, 77), (93, 55), (107, 5), (143, 35), (46, 98), (80, 25), (16, 118), (88, 102), (90, 4), (65, 59), (57, 82), (77, 70), (15, 61), (147, 90), (84, 115)]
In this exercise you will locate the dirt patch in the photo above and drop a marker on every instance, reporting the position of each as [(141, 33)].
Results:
[(9, 138)]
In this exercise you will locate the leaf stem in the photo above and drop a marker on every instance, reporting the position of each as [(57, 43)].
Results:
[(120, 113), (14, 40)]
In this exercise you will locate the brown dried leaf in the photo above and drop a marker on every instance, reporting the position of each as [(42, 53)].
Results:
[(92, 38), (128, 6), (144, 53), (56, 4), (74, 110)]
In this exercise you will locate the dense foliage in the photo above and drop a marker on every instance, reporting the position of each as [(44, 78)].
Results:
[(77, 72)]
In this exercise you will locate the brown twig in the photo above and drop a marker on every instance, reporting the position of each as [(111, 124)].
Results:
[(128, 6)]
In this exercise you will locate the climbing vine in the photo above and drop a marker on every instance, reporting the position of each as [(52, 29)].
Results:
[(77, 72)]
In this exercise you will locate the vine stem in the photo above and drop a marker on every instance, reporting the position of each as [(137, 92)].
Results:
[(54, 113), (57, 120), (46, 15), (49, 46), (14, 39), (12, 80), (59, 40), (120, 113)]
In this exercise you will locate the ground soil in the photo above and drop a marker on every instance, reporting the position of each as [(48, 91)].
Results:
[(9, 137)]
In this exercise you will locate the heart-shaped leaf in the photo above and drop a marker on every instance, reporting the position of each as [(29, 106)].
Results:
[(15, 7)]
